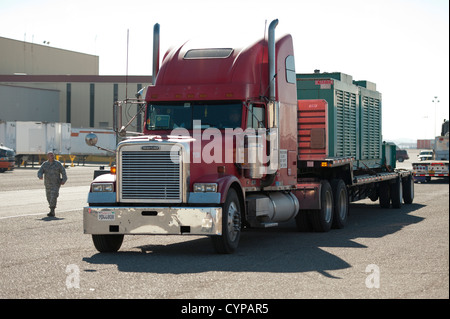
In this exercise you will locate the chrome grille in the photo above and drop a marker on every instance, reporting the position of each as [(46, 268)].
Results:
[(150, 176)]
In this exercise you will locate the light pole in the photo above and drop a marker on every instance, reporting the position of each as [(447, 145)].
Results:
[(435, 101)]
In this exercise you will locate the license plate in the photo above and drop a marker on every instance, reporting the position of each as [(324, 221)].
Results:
[(106, 216)]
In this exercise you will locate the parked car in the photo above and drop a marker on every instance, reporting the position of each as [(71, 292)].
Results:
[(425, 155), (402, 155)]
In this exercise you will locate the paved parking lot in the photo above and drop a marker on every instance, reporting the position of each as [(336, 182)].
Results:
[(382, 253)]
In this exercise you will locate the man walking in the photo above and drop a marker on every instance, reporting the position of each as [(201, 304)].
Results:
[(54, 175)]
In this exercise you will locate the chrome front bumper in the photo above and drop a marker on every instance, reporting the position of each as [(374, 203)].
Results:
[(153, 220)]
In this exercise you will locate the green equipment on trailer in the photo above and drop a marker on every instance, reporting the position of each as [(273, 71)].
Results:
[(354, 115), (340, 144)]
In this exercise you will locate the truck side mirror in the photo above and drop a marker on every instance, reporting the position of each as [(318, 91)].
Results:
[(117, 116), (91, 139)]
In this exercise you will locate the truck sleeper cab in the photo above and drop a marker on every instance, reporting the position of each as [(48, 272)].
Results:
[(164, 183)]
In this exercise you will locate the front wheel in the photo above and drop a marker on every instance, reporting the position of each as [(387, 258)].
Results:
[(107, 243), (228, 242)]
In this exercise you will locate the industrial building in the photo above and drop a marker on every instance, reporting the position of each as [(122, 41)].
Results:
[(46, 84)]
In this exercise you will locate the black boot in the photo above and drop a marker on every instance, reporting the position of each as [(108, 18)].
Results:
[(52, 212)]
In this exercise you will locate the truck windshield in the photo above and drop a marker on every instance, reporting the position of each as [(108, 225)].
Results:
[(168, 116), (7, 154)]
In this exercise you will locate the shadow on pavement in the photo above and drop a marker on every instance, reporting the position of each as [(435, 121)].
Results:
[(280, 249)]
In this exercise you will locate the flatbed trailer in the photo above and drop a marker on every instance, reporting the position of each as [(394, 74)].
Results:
[(330, 184), (425, 170)]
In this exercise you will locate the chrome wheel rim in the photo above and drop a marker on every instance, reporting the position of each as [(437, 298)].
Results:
[(233, 222)]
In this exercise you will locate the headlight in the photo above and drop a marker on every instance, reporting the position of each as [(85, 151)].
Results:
[(205, 187), (102, 187)]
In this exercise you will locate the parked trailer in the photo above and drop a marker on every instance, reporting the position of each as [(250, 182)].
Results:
[(438, 166), (424, 171), (220, 152), (30, 139), (441, 151), (106, 138)]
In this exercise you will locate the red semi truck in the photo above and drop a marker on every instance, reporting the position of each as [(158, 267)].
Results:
[(227, 144)]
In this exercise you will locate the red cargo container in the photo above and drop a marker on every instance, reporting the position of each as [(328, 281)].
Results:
[(424, 144)]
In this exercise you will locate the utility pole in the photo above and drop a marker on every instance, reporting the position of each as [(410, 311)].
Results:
[(435, 101)]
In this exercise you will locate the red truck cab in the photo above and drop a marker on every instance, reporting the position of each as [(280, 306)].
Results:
[(220, 128)]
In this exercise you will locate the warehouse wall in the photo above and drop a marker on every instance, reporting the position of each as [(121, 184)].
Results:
[(42, 83), (35, 59), (29, 104), (86, 102)]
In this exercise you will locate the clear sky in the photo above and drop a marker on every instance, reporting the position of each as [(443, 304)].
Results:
[(401, 45)]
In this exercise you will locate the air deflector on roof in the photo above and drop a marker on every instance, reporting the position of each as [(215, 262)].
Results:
[(219, 53)]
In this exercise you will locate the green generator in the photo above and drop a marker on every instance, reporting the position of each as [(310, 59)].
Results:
[(354, 115)]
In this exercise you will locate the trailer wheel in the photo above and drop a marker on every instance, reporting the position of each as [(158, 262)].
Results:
[(340, 196), (322, 219), (107, 243), (231, 225), (384, 193), (396, 193), (408, 189)]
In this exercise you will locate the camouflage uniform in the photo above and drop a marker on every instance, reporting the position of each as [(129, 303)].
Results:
[(54, 174)]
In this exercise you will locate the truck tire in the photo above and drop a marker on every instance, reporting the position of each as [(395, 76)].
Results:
[(384, 193), (322, 219), (408, 189), (340, 211), (107, 243), (228, 242), (396, 193)]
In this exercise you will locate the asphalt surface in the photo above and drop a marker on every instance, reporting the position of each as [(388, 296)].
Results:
[(381, 253)]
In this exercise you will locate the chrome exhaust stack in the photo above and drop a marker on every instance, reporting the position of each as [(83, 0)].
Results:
[(155, 52), (272, 59), (273, 111)]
